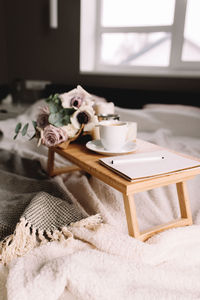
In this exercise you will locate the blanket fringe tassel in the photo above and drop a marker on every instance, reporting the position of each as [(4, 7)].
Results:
[(26, 237)]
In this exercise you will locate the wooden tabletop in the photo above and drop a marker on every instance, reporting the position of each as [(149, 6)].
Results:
[(89, 162)]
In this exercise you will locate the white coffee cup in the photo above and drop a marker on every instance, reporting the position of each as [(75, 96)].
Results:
[(114, 134)]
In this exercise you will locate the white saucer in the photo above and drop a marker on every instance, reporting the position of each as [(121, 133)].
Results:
[(96, 146)]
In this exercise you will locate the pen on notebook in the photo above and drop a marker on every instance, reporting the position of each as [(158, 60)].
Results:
[(139, 159)]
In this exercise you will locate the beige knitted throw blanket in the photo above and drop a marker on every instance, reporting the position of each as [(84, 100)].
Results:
[(33, 208)]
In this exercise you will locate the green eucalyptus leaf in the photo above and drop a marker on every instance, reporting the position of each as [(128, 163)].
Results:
[(54, 108), (66, 119), (62, 111), (58, 102), (18, 127), (25, 128), (69, 111), (49, 99), (15, 136), (32, 137), (55, 118), (52, 118), (55, 97), (34, 124), (58, 124)]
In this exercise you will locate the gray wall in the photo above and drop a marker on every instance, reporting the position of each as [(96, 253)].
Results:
[(34, 51), (37, 52)]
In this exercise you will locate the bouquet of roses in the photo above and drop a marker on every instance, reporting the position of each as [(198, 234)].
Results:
[(63, 118)]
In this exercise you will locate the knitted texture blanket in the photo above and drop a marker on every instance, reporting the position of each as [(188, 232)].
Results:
[(33, 208)]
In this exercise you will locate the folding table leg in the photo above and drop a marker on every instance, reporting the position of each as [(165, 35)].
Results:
[(131, 216), (184, 220), (52, 171), (50, 162), (184, 202)]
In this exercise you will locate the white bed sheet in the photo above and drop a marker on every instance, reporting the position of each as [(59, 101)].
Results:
[(107, 263)]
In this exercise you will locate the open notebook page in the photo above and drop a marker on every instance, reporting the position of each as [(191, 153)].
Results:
[(149, 164)]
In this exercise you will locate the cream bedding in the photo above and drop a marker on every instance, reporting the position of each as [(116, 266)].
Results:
[(107, 263)]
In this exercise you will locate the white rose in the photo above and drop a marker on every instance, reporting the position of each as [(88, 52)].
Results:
[(76, 98), (70, 130), (84, 115)]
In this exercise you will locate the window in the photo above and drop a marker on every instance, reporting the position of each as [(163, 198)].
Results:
[(140, 37)]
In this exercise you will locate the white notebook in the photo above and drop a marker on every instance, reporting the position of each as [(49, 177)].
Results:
[(145, 165)]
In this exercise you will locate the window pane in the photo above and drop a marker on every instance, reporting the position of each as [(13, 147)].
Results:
[(143, 49), (137, 12), (191, 46)]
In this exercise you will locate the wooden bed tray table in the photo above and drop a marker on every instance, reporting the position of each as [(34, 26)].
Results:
[(86, 160)]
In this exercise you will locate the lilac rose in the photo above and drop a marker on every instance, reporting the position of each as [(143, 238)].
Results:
[(53, 136), (42, 120), (44, 109), (43, 117)]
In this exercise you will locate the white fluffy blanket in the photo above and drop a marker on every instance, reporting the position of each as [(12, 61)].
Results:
[(107, 263)]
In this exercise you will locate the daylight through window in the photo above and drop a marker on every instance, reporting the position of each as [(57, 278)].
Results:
[(140, 37)]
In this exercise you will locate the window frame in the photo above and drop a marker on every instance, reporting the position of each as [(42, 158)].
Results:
[(177, 67)]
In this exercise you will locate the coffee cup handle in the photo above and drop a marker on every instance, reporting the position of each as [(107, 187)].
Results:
[(131, 131)]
